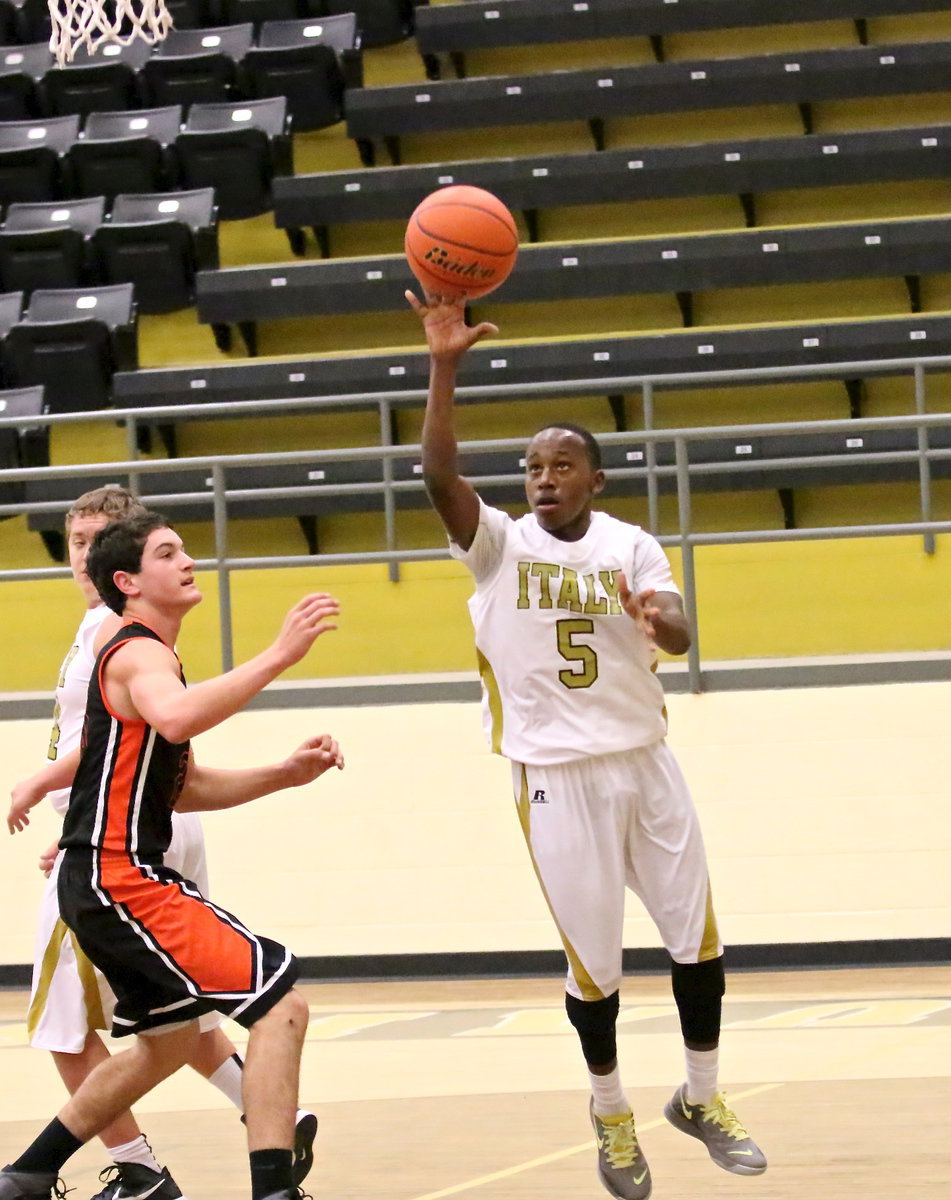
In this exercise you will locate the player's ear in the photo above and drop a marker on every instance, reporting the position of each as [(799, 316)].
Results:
[(126, 584), (597, 483)]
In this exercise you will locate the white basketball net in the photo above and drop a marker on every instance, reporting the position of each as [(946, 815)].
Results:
[(90, 23)]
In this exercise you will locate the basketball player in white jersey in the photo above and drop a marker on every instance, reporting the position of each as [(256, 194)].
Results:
[(569, 607), (70, 1000)]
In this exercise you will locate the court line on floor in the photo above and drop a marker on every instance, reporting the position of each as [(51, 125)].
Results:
[(481, 1180)]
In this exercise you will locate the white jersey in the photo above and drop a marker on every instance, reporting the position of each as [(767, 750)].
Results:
[(71, 690), (566, 673)]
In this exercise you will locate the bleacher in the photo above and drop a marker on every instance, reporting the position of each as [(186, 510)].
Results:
[(666, 277)]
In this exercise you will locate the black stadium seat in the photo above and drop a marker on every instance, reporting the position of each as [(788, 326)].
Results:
[(196, 66), (125, 151), (101, 82), (237, 149), (530, 184), (47, 245), (73, 341), (310, 62), (21, 69), (455, 28), (158, 242), (799, 78), (379, 22), (31, 157), (606, 358), (24, 445), (674, 264)]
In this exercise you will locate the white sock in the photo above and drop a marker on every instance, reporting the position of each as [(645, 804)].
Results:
[(609, 1098), (136, 1151), (227, 1079), (702, 1068)]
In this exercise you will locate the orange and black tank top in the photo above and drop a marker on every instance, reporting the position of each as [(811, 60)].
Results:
[(128, 777)]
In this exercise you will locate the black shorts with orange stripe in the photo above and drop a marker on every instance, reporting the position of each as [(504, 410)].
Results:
[(167, 952)]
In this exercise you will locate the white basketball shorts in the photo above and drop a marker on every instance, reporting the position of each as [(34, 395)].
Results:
[(598, 825)]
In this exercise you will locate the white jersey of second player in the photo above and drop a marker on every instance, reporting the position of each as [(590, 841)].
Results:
[(566, 673), (71, 689)]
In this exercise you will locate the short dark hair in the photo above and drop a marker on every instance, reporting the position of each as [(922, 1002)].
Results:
[(118, 547), (591, 446)]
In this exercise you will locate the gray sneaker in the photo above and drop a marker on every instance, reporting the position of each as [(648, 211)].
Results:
[(28, 1185), (718, 1127), (622, 1166)]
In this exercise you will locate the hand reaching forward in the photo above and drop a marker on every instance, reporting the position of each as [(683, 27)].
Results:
[(311, 759), (635, 604), (304, 624), (443, 319), (48, 858)]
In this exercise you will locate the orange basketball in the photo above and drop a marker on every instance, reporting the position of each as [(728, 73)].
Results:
[(460, 241)]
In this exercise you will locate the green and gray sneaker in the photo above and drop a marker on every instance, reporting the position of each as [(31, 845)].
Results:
[(622, 1166), (718, 1127)]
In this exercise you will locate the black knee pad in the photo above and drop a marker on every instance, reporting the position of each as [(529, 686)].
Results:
[(596, 1024), (698, 991)]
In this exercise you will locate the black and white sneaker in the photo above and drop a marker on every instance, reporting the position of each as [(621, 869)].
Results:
[(132, 1181), (304, 1134), (29, 1185)]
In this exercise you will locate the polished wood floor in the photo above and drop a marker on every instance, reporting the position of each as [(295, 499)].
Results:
[(476, 1089)]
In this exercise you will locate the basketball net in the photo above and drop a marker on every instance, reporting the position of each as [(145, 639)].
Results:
[(90, 23)]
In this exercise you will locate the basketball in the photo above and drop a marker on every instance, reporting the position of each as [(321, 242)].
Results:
[(461, 241)]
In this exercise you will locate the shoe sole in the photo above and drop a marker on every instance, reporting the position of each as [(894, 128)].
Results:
[(304, 1134), (680, 1122)]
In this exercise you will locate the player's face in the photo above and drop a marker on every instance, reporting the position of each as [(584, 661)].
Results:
[(166, 578), (82, 530), (560, 483)]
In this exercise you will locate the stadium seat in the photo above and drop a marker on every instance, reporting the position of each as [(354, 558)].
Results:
[(192, 14), (534, 183), (678, 265), (196, 66), (47, 245), (379, 22), (237, 149), (259, 11), (31, 157), (34, 20), (72, 341), (22, 445), (102, 82), (125, 151), (310, 62), (9, 24), (455, 28), (158, 242), (21, 70), (799, 78)]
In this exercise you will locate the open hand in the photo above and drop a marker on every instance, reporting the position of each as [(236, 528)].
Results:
[(23, 797), (444, 320), (304, 624)]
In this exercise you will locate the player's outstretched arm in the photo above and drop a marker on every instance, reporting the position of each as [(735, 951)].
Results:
[(660, 616), (448, 338), (144, 674), (208, 788), (28, 793)]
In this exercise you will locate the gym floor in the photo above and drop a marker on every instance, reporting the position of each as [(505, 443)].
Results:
[(475, 1088)]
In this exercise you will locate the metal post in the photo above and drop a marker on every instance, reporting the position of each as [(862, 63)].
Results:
[(687, 563), (389, 498), (224, 575), (650, 457), (924, 466)]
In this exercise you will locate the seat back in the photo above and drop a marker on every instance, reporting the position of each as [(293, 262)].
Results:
[(300, 64), (103, 82), (31, 157), (124, 151)]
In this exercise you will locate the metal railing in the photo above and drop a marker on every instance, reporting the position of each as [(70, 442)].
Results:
[(651, 473)]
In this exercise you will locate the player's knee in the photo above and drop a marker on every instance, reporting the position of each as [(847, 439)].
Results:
[(290, 1012), (698, 992), (595, 1022)]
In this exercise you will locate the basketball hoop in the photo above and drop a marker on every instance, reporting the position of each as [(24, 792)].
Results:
[(90, 23)]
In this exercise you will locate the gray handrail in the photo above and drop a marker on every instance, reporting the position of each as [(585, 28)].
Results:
[(681, 438)]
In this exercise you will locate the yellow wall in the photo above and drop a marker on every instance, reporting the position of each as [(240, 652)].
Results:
[(825, 814)]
